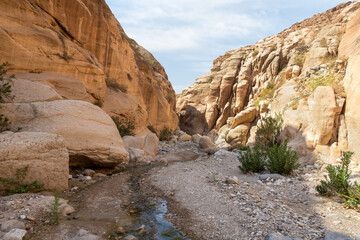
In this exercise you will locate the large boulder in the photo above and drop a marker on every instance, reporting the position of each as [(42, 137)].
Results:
[(44, 155), (246, 116), (205, 142), (91, 136), (238, 136), (148, 143), (322, 112)]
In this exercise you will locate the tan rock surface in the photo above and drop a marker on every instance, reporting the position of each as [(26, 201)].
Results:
[(205, 142), (245, 116), (238, 136), (90, 134), (185, 137), (44, 155), (79, 46), (148, 143)]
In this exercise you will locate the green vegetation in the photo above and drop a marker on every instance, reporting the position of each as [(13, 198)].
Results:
[(255, 53), (299, 60), (269, 131), (170, 97), (14, 186), (337, 182), (113, 84), (165, 134), (252, 160), (268, 92), (302, 48), (98, 103), (321, 80), (125, 126), (55, 209), (281, 159)]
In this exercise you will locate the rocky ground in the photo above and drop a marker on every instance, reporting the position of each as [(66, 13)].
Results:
[(207, 197)]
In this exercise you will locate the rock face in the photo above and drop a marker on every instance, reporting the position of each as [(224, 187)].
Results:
[(43, 154), (306, 72), (65, 49), (91, 136)]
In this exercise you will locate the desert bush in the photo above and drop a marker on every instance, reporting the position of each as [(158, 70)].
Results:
[(268, 92), (252, 160), (255, 53), (55, 209), (302, 48), (125, 126), (165, 134), (337, 180), (281, 159), (16, 185), (269, 130), (170, 97)]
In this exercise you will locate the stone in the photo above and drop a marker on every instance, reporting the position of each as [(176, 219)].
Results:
[(11, 224), (276, 236), (322, 112), (88, 172), (232, 180), (246, 116), (205, 142), (238, 136), (82, 234), (185, 137), (43, 154), (120, 230), (148, 143), (138, 156), (130, 237), (90, 135), (15, 234), (210, 150), (336, 236), (196, 138), (264, 177)]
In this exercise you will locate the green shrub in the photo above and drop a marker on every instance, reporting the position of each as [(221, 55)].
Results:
[(352, 199), (337, 180), (269, 130), (252, 160), (302, 48), (125, 126), (268, 92), (281, 159), (165, 134), (55, 209), (14, 186), (255, 53)]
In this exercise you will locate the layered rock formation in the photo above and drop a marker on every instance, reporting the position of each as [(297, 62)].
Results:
[(78, 50), (306, 72)]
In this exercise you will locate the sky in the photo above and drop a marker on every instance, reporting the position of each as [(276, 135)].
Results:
[(185, 36)]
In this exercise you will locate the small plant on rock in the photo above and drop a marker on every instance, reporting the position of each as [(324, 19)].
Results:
[(165, 134), (281, 159), (252, 160), (269, 130), (5, 93), (125, 126)]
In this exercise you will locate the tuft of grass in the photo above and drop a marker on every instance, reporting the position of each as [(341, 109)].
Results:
[(302, 48), (125, 126), (113, 84), (98, 103), (323, 43), (322, 80), (65, 56), (170, 97), (165, 134), (299, 60), (255, 53)]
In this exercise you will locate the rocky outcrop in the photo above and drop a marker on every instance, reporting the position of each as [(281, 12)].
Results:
[(306, 73), (65, 49), (91, 136), (43, 155)]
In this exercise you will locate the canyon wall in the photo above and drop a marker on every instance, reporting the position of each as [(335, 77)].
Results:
[(307, 73)]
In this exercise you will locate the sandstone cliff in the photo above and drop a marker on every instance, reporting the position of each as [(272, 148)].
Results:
[(76, 49), (306, 72)]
